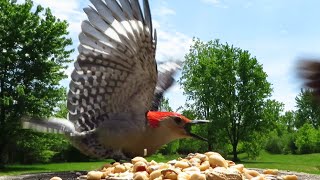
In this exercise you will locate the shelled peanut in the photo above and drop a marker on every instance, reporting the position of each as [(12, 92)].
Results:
[(207, 166)]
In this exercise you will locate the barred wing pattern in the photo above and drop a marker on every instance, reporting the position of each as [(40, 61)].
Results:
[(115, 70)]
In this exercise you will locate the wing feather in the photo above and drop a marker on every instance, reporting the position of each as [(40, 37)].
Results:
[(115, 71), (147, 15), (165, 80)]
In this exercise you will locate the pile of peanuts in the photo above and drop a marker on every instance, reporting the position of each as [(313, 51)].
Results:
[(207, 166)]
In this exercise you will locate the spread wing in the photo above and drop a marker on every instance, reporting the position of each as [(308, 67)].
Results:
[(166, 72), (309, 70), (115, 71)]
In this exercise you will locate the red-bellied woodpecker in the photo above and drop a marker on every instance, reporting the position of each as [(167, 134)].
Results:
[(309, 71), (116, 86)]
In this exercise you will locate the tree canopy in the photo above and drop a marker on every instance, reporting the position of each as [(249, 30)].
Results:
[(33, 57), (228, 86), (308, 109)]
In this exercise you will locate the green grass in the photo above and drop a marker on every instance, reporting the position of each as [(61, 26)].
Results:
[(17, 169), (309, 163)]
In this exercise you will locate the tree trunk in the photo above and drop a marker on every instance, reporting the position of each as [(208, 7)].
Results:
[(3, 155), (209, 146), (234, 152)]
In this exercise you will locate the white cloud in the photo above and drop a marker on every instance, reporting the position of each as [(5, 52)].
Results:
[(172, 45), (176, 88), (287, 98), (215, 3), (66, 10), (164, 11)]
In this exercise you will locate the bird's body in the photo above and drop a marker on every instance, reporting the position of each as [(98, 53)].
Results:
[(115, 89), (121, 139)]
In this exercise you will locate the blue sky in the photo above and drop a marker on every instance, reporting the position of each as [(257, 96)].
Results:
[(277, 33)]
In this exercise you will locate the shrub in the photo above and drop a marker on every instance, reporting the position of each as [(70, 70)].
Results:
[(274, 143), (39, 147), (307, 139), (45, 156), (254, 146), (170, 148)]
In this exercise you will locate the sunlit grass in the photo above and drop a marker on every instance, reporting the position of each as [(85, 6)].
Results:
[(16, 169), (308, 163)]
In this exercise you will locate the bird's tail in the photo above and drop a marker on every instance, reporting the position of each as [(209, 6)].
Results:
[(50, 125)]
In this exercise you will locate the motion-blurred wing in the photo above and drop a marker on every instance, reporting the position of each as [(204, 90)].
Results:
[(166, 71), (115, 71), (309, 71)]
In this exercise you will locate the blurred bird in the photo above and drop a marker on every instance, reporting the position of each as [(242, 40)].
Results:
[(116, 88), (309, 71)]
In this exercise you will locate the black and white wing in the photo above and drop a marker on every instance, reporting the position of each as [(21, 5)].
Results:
[(115, 71), (166, 71), (309, 71)]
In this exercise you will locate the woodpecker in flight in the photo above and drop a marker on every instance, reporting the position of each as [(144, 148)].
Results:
[(116, 87), (309, 71)]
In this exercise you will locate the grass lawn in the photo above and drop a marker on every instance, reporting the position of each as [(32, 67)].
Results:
[(17, 169), (309, 163)]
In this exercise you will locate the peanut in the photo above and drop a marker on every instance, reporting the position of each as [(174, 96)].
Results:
[(55, 178), (181, 164), (198, 176), (217, 160), (271, 171), (155, 174), (204, 166), (290, 177), (141, 176), (94, 175), (119, 168), (139, 166), (138, 159)]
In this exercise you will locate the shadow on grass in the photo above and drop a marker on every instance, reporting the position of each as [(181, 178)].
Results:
[(21, 169)]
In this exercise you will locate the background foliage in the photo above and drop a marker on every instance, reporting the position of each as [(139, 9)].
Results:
[(223, 83), (33, 57)]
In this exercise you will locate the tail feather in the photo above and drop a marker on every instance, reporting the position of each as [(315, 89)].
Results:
[(50, 125)]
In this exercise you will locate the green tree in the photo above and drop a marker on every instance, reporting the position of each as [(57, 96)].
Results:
[(308, 109), (164, 105), (281, 139), (288, 121), (272, 115), (61, 110), (227, 86), (40, 147), (33, 57), (307, 139)]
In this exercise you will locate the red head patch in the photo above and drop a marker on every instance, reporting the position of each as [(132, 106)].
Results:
[(154, 117)]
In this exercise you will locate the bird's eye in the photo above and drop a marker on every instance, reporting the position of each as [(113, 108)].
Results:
[(178, 120)]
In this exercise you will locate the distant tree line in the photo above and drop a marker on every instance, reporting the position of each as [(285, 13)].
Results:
[(228, 86)]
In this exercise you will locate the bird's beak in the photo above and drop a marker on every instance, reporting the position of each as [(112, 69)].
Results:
[(187, 127)]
